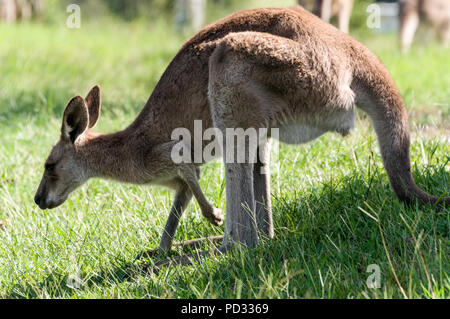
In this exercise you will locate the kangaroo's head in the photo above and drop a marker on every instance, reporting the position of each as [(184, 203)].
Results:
[(64, 169)]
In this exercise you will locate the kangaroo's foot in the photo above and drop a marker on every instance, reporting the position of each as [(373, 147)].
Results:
[(214, 216)]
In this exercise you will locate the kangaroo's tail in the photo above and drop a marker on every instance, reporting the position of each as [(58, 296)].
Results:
[(378, 96)]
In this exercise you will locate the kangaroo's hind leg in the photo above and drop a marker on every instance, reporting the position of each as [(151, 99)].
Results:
[(239, 159), (261, 188)]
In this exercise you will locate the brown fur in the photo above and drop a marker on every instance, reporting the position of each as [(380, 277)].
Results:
[(261, 68)]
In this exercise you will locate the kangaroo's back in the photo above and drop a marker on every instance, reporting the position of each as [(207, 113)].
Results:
[(182, 88)]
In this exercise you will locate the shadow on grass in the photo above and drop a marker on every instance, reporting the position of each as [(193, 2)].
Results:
[(322, 236)]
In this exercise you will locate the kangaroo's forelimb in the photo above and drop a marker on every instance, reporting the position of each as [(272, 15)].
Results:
[(182, 198), (189, 174), (186, 186), (184, 181)]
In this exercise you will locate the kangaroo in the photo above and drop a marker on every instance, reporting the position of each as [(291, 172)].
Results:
[(12, 10), (412, 12), (264, 68), (8, 10), (326, 9)]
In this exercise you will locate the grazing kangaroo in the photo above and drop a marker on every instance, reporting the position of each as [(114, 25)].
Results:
[(326, 9), (12, 10), (412, 12), (265, 68)]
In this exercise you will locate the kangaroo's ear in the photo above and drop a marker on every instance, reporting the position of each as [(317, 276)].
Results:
[(93, 101), (75, 120)]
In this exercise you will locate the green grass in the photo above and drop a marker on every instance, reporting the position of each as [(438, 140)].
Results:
[(334, 211)]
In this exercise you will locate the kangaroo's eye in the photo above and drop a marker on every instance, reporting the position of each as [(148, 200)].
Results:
[(50, 167)]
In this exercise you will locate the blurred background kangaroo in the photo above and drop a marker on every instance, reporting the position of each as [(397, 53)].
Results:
[(12, 10), (327, 9), (414, 12)]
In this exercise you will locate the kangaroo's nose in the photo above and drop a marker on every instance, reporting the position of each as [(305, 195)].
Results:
[(37, 199)]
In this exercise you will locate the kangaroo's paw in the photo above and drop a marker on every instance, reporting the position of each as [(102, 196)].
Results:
[(215, 216)]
